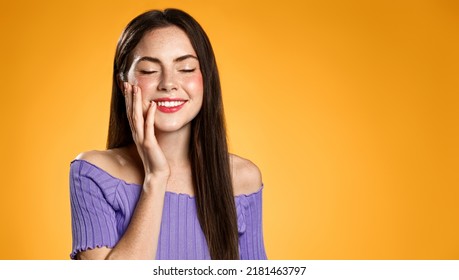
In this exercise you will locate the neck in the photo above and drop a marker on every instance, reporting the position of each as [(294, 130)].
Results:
[(175, 146)]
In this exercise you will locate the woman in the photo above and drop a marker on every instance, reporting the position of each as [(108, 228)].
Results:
[(166, 187)]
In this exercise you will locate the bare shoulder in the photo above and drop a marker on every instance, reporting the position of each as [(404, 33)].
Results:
[(104, 159), (245, 174), (116, 162)]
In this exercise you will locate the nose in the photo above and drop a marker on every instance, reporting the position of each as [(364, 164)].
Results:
[(167, 82)]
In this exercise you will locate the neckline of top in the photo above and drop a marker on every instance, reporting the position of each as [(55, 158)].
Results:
[(167, 192)]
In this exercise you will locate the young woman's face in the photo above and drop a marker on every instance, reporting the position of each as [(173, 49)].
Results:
[(166, 68)]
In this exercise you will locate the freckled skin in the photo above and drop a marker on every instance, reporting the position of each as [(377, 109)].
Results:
[(167, 77)]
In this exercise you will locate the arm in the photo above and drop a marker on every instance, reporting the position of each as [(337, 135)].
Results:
[(248, 187), (141, 237)]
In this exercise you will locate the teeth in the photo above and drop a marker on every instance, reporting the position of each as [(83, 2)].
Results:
[(170, 104)]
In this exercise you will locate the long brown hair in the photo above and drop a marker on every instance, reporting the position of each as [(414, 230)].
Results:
[(208, 146)]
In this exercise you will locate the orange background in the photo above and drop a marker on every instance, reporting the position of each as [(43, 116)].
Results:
[(349, 108)]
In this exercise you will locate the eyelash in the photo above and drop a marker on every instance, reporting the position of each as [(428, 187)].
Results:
[(147, 72), (183, 71)]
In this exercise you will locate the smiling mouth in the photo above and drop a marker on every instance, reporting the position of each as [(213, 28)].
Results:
[(170, 105)]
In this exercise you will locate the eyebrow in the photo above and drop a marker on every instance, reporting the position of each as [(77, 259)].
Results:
[(156, 60)]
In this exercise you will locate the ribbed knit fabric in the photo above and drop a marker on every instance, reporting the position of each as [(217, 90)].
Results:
[(102, 207)]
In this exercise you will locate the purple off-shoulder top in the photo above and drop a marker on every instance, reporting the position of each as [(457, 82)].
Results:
[(102, 207)]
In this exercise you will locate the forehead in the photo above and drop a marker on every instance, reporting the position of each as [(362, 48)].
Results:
[(163, 43)]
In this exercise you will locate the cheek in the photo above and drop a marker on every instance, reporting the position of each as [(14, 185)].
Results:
[(146, 84), (194, 85)]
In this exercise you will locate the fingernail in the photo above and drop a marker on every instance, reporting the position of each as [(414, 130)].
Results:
[(134, 88), (124, 87)]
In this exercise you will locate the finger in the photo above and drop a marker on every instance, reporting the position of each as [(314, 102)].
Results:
[(149, 130), (137, 113), (155, 159)]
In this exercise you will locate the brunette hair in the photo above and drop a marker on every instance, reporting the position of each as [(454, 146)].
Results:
[(208, 146)]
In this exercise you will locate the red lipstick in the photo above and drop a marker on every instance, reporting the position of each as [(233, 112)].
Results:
[(170, 105)]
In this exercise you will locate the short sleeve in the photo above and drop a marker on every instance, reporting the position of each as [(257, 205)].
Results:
[(250, 227), (93, 217)]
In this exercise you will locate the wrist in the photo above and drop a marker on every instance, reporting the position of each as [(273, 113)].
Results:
[(155, 182)]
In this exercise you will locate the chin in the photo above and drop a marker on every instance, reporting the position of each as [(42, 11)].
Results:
[(170, 126)]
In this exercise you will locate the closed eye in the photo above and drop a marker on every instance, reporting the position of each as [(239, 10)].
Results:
[(187, 70), (147, 72)]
